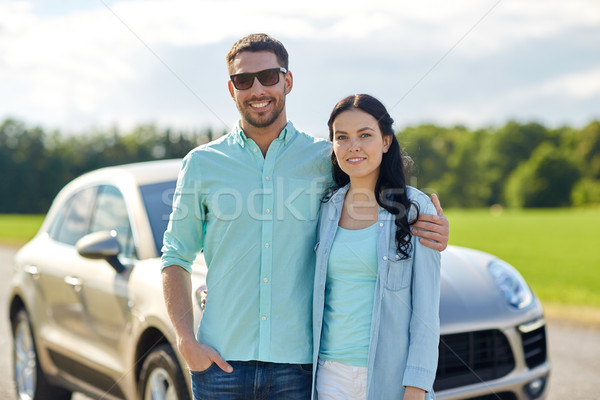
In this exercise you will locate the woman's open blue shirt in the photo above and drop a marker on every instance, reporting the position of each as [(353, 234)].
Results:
[(403, 348)]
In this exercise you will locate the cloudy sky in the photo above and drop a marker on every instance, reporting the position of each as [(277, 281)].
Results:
[(77, 64)]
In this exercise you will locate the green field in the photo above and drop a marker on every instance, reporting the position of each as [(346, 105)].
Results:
[(16, 230), (556, 250)]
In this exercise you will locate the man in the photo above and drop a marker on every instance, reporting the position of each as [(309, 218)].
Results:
[(250, 200)]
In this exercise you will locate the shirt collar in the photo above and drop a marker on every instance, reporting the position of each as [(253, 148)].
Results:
[(285, 136), (339, 195)]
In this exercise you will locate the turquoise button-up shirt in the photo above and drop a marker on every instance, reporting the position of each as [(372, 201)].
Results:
[(255, 218)]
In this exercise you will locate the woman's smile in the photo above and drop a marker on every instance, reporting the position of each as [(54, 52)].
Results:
[(355, 160)]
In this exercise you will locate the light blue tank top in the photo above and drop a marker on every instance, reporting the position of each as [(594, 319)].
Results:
[(349, 291)]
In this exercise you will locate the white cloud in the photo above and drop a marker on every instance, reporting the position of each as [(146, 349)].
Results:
[(572, 98), (86, 66), (580, 85)]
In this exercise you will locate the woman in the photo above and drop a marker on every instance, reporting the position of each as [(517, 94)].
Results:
[(376, 294)]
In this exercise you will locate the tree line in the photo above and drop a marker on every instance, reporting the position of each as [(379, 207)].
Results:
[(515, 165), (35, 164)]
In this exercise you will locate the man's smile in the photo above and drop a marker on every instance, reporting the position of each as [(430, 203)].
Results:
[(259, 105)]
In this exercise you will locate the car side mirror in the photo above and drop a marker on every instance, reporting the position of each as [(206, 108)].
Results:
[(101, 245)]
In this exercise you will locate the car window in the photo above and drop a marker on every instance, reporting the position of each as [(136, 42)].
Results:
[(59, 217), (72, 222), (158, 199), (110, 214)]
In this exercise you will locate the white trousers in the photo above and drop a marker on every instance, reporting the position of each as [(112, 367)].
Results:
[(337, 381)]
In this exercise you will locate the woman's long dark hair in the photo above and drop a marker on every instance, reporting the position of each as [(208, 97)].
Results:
[(390, 189)]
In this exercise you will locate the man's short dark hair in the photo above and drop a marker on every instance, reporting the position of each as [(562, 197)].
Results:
[(258, 42)]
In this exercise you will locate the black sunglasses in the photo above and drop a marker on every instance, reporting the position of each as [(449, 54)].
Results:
[(266, 77)]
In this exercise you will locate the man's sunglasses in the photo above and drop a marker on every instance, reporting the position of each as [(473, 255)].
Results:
[(266, 77)]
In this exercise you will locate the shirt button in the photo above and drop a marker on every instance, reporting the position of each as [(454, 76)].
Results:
[(266, 280), (255, 150), (264, 318), (266, 245), (267, 211), (266, 178), (384, 258), (381, 224)]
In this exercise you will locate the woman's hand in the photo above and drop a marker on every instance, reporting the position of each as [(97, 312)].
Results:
[(433, 230), (203, 295), (414, 393)]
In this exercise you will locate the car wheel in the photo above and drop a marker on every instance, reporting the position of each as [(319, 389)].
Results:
[(161, 377), (30, 381)]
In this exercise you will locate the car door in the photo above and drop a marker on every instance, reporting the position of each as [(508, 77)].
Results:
[(87, 300), (55, 269), (104, 294)]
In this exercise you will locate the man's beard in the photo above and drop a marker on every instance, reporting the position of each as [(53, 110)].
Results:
[(262, 121)]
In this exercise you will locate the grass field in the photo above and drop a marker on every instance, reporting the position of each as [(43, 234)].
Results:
[(16, 230), (556, 250)]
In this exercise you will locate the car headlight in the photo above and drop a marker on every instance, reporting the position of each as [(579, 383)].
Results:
[(511, 284)]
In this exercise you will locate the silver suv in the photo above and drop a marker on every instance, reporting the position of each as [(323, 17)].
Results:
[(87, 310)]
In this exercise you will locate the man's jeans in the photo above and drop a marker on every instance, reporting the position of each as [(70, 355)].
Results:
[(253, 380)]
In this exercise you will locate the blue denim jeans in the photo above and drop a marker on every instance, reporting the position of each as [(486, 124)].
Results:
[(253, 380)]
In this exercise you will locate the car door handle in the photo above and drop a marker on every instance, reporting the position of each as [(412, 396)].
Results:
[(73, 281), (32, 270)]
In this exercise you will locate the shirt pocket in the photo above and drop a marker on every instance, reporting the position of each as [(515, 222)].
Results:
[(399, 272)]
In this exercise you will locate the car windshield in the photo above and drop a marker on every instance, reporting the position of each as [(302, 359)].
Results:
[(158, 199)]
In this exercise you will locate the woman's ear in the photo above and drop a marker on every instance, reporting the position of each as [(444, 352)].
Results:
[(387, 142)]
